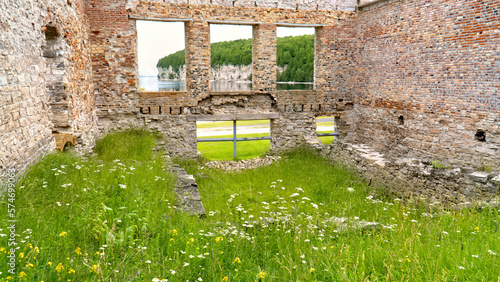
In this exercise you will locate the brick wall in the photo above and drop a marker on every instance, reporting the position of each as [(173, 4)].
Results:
[(430, 80), (116, 74)]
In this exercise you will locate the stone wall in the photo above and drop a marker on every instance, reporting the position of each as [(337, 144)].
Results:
[(429, 81), (31, 83), (116, 74), (415, 178)]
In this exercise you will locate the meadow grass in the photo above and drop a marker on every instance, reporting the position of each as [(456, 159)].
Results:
[(263, 122), (244, 150), (106, 219)]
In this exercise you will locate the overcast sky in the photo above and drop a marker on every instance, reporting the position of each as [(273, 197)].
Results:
[(158, 39)]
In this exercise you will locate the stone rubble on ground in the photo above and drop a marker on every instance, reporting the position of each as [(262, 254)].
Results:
[(243, 164), (186, 192)]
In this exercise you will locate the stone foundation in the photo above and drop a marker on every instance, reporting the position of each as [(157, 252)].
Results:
[(412, 177)]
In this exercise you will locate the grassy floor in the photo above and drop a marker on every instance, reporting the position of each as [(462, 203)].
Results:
[(262, 122), (107, 219), (244, 150)]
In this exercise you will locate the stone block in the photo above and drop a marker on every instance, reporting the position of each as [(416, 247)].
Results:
[(225, 3), (3, 79), (267, 3), (308, 5), (199, 2), (479, 176), (288, 5), (328, 5), (244, 3), (496, 180)]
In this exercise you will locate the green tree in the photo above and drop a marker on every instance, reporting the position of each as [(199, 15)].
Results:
[(295, 53)]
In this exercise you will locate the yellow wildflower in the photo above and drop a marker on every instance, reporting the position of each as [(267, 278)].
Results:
[(477, 228), (190, 241), (217, 239), (30, 246), (78, 251), (29, 265), (21, 255), (64, 233), (71, 270), (407, 259), (59, 267), (2, 249), (49, 263), (225, 279), (37, 250), (174, 232), (237, 260), (262, 275), (172, 239), (9, 278), (95, 267), (22, 274), (96, 253), (311, 269)]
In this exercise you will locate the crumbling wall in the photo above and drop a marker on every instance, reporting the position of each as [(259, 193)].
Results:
[(429, 81), (26, 112), (114, 35)]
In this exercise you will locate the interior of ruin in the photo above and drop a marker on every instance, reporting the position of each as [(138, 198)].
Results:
[(411, 80)]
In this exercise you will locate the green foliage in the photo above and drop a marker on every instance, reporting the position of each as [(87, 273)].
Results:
[(176, 60), (133, 144), (235, 52), (436, 164), (93, 220), (296, 53)]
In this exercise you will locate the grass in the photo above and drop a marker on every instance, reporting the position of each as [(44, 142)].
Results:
[(263, 122), (244, 150), (103, 219)]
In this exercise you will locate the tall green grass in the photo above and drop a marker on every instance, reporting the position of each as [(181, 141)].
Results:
[(78, 222)]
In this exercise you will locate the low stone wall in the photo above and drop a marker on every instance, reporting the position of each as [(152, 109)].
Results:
[(415, 177)]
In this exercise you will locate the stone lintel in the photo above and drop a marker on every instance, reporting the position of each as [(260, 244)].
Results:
[(237, 93), (233, 117), (234, 22), (158, 19), (299, 25)]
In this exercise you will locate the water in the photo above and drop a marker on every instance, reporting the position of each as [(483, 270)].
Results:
[(151, 83), (230, 86)]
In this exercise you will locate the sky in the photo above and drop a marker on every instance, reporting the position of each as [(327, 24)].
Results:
[(158, 39)]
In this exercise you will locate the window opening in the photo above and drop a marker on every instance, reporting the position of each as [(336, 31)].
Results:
[(161, 56), (231, 57), (216, 139), (325, 129), (295, 58)]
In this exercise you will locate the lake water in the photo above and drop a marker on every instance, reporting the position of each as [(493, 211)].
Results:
[(151, 83)]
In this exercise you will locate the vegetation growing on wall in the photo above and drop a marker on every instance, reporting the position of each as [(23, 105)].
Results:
[(295, 54)]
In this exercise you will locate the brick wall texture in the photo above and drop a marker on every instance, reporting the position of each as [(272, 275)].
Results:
[(435, 64)]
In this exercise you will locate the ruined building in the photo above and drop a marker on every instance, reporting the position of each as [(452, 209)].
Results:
[(407, 78)]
